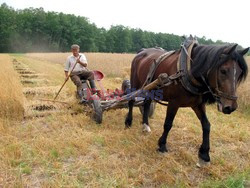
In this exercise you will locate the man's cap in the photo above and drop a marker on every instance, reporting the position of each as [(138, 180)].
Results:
[(75, 46)]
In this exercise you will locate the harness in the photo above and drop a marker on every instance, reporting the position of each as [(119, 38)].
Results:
[(155, 65), (184, 73), (184, 65), (189, 82)]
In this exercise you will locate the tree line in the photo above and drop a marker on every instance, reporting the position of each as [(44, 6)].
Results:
[(35, 30)]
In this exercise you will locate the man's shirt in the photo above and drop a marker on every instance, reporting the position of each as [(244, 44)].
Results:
[(71, 60)]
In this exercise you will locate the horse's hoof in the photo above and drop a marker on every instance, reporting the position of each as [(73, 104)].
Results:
[(162, 149), (146, 128), (127, 127), (201, 163)]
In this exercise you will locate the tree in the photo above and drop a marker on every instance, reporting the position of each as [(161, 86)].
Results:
[(7, 26), (33, 29)]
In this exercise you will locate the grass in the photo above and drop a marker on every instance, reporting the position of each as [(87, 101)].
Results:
[(235, 181), (62, 148)]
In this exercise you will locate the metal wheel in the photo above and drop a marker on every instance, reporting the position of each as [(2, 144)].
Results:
[(126, 86), (97, 110)]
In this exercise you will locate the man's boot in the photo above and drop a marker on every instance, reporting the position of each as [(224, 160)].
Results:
[(81, 96), (93, 86), (80, 92)]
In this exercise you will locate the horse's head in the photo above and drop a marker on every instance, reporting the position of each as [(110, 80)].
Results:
[(224, 78)]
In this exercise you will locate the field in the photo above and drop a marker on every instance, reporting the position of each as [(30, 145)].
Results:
[(58, 145)]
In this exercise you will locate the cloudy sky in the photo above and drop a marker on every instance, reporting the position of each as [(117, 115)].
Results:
[(214, 19)]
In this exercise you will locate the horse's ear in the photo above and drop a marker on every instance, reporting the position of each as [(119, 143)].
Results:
[(244, 51), (230, 49), (191, 37)]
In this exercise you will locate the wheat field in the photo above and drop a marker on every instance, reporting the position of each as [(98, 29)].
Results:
[(11, 97), (244, 92), (112, 65), (59, 145)]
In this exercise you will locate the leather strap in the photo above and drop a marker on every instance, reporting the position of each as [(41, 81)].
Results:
[(184, 65), (155, 65)]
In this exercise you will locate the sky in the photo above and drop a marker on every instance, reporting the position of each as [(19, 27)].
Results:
[(215, 19)]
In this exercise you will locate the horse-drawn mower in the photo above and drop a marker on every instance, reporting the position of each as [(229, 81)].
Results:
[(102, 99)]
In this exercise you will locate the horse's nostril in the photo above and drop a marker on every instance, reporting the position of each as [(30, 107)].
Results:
[(228, 110)]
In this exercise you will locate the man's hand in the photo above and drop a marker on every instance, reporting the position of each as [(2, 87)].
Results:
[(66, 76), (81, 63)]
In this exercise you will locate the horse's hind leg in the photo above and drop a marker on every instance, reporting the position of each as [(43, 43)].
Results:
[(129, 118), (146, 107), (204, 157), (171, 112)]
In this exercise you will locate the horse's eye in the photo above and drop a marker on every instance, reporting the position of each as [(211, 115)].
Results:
[(223, 71)]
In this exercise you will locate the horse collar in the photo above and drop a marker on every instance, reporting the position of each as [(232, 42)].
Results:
[(184, 65)]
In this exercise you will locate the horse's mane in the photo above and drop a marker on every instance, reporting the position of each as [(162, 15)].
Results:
[(207, 58), (243, 65)]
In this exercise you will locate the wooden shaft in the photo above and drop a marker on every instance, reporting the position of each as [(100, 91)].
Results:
[(152, 85), (48, 100), (162, 79)]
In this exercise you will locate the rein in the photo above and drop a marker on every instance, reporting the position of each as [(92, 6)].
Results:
[(219, 94)]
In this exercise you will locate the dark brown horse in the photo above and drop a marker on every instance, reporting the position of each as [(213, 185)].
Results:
[(217, 69)]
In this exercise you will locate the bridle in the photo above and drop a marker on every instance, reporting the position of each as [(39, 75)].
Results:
[(217, 93)]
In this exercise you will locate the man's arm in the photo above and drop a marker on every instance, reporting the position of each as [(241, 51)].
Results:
[(83, 61), (84, 64), (66, 75), (66, 68), (67, 65)]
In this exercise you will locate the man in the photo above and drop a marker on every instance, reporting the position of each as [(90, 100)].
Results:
[(80, 71)]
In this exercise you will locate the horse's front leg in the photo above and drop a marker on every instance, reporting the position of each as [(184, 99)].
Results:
[(171, 112), (146, 108), (204, 157), (129, 117)]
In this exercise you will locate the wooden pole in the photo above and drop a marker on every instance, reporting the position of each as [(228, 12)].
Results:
[(48, 100), (66, 78)]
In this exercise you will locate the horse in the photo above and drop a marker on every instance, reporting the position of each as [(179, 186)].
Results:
[(217, 69)]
